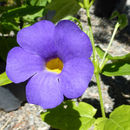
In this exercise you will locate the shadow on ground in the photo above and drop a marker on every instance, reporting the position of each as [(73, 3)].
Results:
[(119, 89), (12, 96), (106, 25)]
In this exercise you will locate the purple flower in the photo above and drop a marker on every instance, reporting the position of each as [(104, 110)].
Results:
[(55, 59)]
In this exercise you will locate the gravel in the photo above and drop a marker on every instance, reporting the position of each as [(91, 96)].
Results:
[(115, 90)]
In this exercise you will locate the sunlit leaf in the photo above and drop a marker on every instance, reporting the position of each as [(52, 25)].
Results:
[(100, 123), (4, 79), (69, 116), (38, 2), (101, 53), (31, 18), (119, 120), (116, 69), (119, 66)]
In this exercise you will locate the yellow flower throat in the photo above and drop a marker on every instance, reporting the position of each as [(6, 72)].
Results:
[(54, 65)]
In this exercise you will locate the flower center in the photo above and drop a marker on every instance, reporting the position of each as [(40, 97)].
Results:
[(54, 65)]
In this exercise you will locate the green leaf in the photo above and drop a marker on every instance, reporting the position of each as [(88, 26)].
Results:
[(124, 57), (86, 3), (5, 8), (119, 66), (20, 12), (123, 21), (4, 79), (69, 116), (119, 120), (31, 18), (101, 53), (63, 8), (6, 27), (6, 43), (114, 14), (38, 2), (100, 123), (28, 14), (116, 69)]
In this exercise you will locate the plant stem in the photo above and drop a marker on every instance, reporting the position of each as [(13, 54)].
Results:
[(91, 35), (110, 43), (100, 94), (95, 60)]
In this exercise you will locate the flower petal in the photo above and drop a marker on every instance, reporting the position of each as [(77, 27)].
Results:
[(21, 65), (71, 41), (38, 38), (43, 89), (76, 76)]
